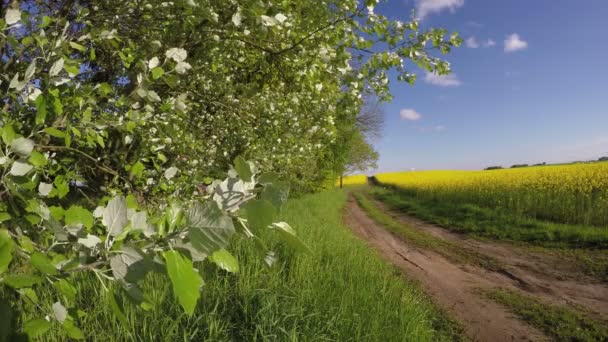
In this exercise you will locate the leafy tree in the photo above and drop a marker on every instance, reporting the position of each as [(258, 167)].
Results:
[(361, 156), (117, 115)]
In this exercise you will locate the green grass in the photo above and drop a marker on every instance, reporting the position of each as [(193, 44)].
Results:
[(586, 246), (341, 291), (562, 323), (424, 240)]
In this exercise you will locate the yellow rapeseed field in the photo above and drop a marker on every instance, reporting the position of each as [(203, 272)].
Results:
[(353, 180), (575, 193)]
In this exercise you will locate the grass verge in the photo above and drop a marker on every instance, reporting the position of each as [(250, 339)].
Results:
[(560, 322), (579, 244), (342, 291), (424, 240)]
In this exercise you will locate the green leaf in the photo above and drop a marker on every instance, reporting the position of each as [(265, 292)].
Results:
[(37, 159), (185, 280), (72, 330), (36, 327), (41, 109), (57, 212), (115, 215), (288, 235), (8, 134), (54, 132), (260, 214), (137, 170), (209, 228), (4, 217), (268, 178), (78, 47), (276, 193), (29, 294), (65, 288), (46, 21), (43, 264), (22, 147), (79, 215), (6, 250), (26, 244), (18, 281), (118, 312), (225, 260), (243, 169), (72, 69), (6, 320), (157, 72), (58, 107), (131, 264)]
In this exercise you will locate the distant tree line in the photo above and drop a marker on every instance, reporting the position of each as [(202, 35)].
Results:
[(514, 166)]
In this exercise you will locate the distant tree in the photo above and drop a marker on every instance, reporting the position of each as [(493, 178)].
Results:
[(603, 158), (361, 156), (540, 164), (370, 120), (493, 168), (519, 165)]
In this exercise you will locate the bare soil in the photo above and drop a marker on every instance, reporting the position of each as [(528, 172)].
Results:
[(455, 287)]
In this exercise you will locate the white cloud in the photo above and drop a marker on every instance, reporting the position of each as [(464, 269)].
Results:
[(450, 80), (514, 43), (409, 114), (472, 43), (426, 7), (489, 43)]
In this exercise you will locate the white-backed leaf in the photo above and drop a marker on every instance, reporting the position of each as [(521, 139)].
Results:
[(60, 312), (44, 188), (30, 71), (177, 54), (91, 241), (115, 215), (139, 222), (20, 168), (12, 16), (56, 68), (22, 146)]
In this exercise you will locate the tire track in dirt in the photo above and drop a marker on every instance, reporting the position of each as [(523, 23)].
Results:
[(452, 286), (553, 279)]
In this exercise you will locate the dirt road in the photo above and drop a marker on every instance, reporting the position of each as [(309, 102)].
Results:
[(455, 287)]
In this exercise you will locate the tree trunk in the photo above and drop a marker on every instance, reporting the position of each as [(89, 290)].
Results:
[(341, 176)]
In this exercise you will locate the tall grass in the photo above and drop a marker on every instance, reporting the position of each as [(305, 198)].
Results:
[(340, 292)]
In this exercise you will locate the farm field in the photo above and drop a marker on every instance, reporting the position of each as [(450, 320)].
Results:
[(571, 194), (549, 206), (339, 291)]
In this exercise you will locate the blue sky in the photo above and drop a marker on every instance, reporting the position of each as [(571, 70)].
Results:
[(530, 86)]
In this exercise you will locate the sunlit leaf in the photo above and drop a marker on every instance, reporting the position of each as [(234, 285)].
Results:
[(185, 280)]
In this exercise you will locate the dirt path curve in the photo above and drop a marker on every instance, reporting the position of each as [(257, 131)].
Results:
[(452, 286), (552, 278)]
